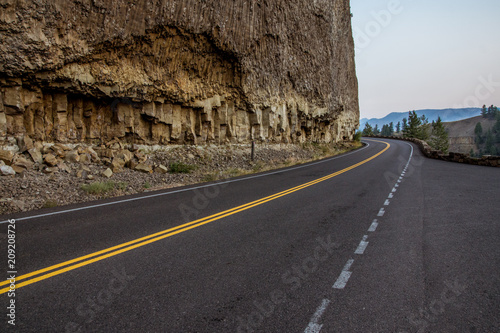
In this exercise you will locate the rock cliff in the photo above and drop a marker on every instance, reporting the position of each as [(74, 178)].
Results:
[(177, 71)]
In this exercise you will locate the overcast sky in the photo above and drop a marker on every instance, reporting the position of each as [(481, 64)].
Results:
[(423, 54)]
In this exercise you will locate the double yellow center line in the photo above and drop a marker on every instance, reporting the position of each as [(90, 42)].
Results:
[(88, 259)]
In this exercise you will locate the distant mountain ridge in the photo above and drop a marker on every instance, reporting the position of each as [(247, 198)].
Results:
[(446, 115)]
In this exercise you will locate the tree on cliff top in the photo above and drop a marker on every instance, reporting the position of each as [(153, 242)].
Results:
[(439, 136)]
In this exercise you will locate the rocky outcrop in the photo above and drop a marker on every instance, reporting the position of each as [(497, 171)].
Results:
[(177, 71)]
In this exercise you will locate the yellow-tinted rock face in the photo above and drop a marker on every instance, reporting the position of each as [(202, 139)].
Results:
[(167, 71)]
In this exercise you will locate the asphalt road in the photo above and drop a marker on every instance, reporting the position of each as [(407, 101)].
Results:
[(378, 240)]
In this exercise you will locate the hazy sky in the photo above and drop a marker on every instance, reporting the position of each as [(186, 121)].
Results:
[(422, 54)]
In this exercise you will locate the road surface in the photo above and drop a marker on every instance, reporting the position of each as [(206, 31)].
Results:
[(378, 240)]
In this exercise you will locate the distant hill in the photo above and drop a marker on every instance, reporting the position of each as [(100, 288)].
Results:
[(447, 115), (461, 133)]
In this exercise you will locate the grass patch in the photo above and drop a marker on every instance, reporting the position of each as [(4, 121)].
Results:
[(259, 166), (50, 204), (180, 167), (103, 187), (210, 177), (122, 186), (147, 185)]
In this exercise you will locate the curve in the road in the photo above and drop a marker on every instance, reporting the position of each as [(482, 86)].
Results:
[(128, 246)]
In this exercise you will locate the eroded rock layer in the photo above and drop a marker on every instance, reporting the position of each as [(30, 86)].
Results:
[(177, 71)]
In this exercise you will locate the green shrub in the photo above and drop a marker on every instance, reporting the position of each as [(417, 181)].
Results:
[(210, 177), (50, 203), (180, 167), (103, 187)]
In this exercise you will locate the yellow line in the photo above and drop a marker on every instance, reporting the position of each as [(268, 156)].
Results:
[(125, 247)]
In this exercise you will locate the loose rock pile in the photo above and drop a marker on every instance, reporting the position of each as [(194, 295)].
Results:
[(50, 158)]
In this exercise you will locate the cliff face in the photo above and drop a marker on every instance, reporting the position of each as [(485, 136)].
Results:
[(177, 71)]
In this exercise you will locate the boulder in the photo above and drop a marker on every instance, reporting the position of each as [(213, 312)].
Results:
[(24, 143), (141, 157), (72, 156), (85, 158), (22, 162), (114, 144), (6, 156), (125, 155), (19, 170), (6, 170), (63, 167), (161, 169), (50, 160), (107, 173), (142, 167), (93, 155), (36, 155), (117, 165), (132, 163)]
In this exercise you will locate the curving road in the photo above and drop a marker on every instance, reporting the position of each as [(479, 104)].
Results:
[(377, 240)]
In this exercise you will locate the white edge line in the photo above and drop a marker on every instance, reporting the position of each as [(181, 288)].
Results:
[(186, 189)]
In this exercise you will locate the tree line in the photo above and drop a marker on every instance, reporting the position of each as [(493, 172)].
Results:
[(414, 127), (488, 141)]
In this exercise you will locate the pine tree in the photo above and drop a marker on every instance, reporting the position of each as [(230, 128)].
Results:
[(478, 130), (484, 111), (496, 128), (386, 130), (489, 148), (439, 136), (376, 131), (368, 130), (398, 127), (413, 124)]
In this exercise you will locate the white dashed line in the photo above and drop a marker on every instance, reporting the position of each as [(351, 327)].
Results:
[(344, 276), (381, 212), (362, 246), (374, 226), (313, 326)]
